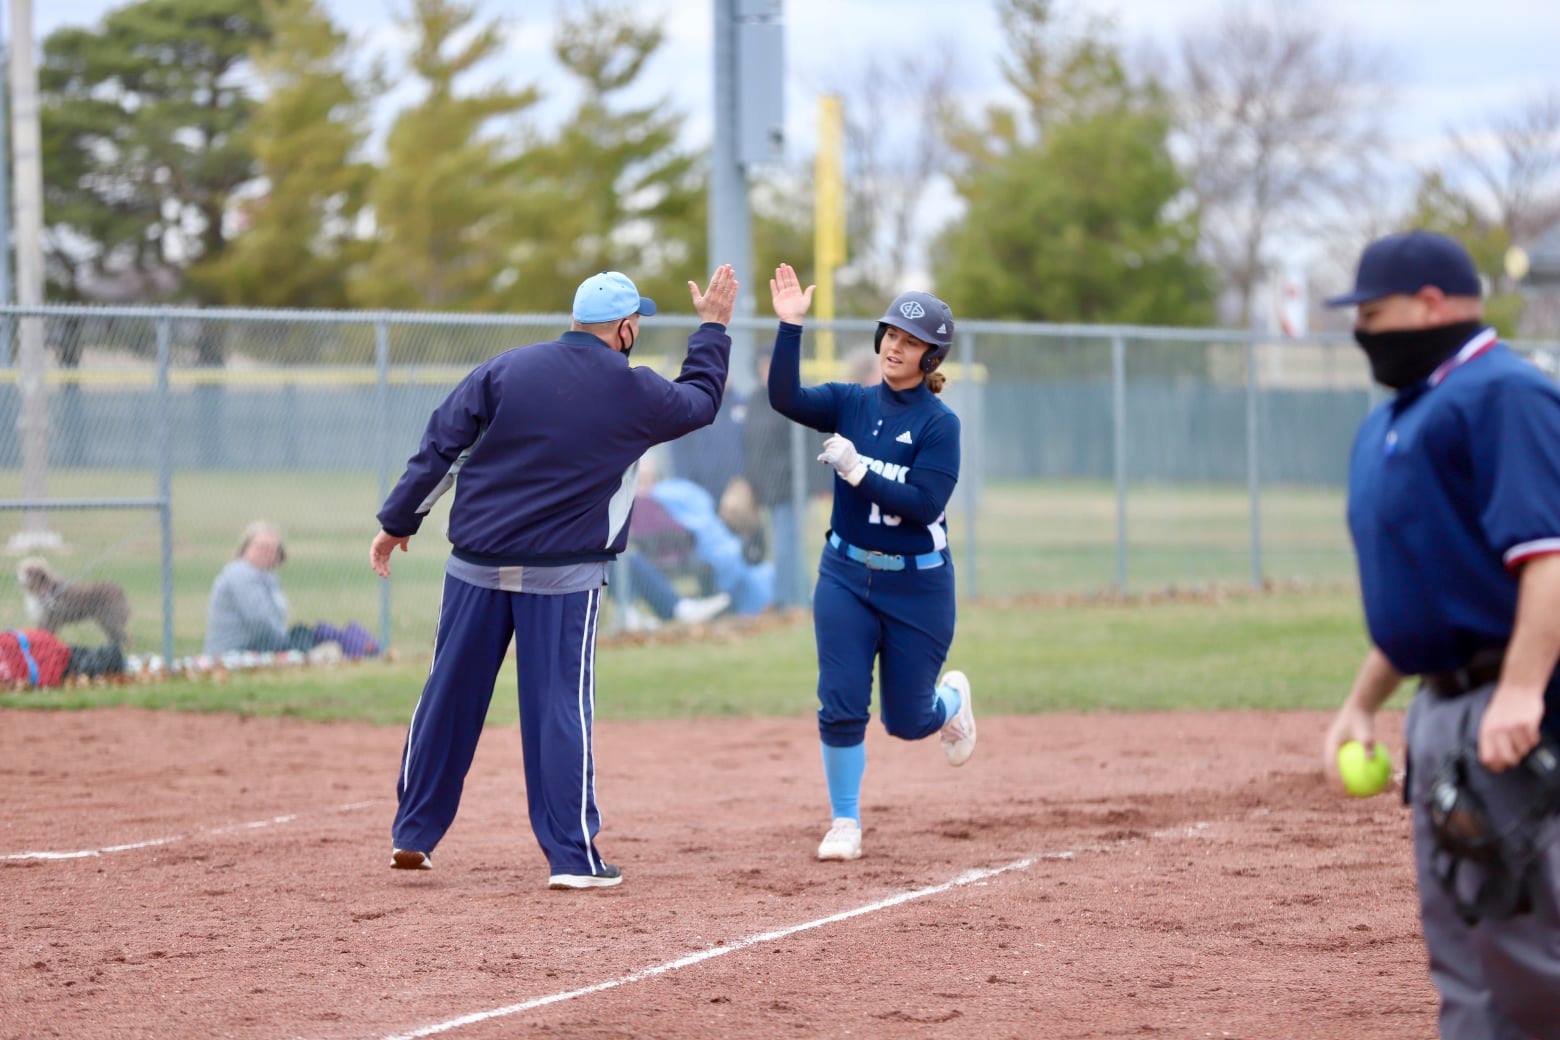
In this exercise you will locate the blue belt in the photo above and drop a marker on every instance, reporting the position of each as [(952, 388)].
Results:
[(880, 561)]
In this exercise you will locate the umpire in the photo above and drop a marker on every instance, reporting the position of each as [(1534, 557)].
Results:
[(546, 440), (1454, 508)]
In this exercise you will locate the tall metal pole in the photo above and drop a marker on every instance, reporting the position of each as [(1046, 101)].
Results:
[(1118, 410), (6, 294), (33, 424), (828, 219), (5, 204), (730, 233), (165, 480), (1253, 461), (382, 430), (970, 465)]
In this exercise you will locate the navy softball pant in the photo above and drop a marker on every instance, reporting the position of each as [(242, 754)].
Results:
[(555, 649), (901, 620)]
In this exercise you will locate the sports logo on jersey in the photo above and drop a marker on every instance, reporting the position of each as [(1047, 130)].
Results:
[(912, 309), (904, 438)]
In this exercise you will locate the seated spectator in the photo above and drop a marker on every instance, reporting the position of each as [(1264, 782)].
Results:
[(247, 610), (736, 565), (650, 585)]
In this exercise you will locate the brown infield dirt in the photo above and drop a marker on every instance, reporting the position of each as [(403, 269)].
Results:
[(1193, 876)]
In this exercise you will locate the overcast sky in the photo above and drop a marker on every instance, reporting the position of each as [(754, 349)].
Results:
[(1452, 62)]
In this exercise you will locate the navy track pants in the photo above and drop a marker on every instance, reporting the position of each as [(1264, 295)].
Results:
[(903, 621), (555, 650)]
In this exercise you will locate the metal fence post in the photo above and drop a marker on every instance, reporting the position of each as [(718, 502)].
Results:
[(970, 474), (382, 424), (165, 480), (1253, 461), (798, 578), (1118, 411)]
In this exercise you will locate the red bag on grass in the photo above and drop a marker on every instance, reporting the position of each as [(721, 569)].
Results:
[(32, 657)]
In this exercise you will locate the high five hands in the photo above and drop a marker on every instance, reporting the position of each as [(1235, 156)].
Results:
[(790, 299), (715, 303)]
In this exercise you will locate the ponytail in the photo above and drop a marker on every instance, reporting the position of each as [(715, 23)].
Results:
[(935, 381)]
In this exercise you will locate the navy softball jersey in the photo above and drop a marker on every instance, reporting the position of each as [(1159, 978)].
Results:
[(908, 438), (910, 441), (1453, 485), (546, 441)]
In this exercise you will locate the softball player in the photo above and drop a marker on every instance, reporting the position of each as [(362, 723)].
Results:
[(885, 582), (546, 440)]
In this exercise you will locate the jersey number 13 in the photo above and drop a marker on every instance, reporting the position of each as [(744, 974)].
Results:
[(878, 517)]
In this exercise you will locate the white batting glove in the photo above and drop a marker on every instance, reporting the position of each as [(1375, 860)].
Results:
[(840, 453)]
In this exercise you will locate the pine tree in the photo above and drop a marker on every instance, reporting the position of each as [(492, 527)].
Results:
[(306, 134), (444, 203)]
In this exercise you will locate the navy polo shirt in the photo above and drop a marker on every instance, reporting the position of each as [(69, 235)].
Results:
[(1454, 484)]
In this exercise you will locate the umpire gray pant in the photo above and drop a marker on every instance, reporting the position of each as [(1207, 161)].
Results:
[(1498, 980)]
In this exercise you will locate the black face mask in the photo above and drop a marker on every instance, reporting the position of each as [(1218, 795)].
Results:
[(632, 339), (1403, 357)]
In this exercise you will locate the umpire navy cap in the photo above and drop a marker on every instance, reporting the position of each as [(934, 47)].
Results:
[(609, 296), (1407, 262)]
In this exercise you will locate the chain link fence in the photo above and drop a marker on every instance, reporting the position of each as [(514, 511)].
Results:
[(1094, 458)]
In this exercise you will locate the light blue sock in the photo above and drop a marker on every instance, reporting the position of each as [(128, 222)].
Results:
[(843, 768), (950, 700)]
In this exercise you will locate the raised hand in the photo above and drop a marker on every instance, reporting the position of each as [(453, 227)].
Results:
[(790, 299), (715, 303)]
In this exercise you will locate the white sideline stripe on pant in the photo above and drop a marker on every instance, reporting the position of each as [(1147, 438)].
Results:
[(585, 640), (411, 727), (252, 825)]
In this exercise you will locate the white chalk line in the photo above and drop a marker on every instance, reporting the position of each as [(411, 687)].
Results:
[(709, 953), (969, 877), (230, 828)]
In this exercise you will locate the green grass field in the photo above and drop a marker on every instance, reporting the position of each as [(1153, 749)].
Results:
[(1036, 537), (1273, 651)]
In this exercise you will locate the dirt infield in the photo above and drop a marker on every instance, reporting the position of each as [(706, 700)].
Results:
[(1159, 876)]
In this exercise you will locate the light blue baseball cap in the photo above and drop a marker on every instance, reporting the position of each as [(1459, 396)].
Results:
[(609, 296)]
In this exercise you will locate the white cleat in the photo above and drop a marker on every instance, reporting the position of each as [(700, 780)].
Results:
[(410, 859), (958, 733), (843, 841)]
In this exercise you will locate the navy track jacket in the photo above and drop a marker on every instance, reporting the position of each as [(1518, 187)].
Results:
[(546, 440)]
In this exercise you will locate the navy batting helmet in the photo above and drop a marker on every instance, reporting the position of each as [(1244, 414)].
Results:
[(926, 318)]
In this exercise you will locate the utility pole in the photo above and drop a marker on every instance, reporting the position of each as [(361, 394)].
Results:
[(33, 424), (5, 209), (749, 131), (828, 218)]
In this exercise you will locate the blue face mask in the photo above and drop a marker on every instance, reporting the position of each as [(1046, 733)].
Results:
[(1402, 357)]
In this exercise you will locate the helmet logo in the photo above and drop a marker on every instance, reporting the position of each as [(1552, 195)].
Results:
[(942, 330), (911, 309)]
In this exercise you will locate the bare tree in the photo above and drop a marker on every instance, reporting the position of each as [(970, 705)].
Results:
[(894, 114), (1279, 125), (1515, 163)]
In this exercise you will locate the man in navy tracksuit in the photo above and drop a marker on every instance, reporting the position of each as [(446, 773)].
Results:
[(546, 440)]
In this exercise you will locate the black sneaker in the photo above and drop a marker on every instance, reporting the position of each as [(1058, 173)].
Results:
[(606, 877)]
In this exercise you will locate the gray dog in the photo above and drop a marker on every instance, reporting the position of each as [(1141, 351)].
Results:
[(53, 603)]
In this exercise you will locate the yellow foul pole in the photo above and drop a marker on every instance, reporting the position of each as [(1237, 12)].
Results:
[(828, 217)]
